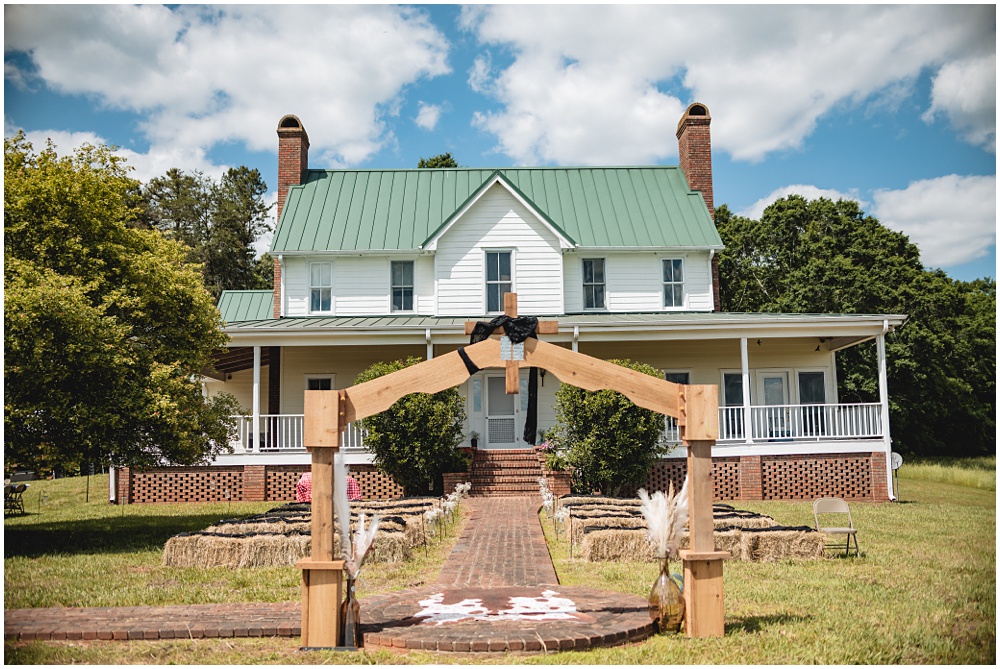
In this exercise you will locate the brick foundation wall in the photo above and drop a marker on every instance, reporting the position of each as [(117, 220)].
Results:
[(248, 483), (851, 476)]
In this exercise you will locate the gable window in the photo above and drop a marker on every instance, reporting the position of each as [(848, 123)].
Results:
[(498, 279), (402, 285), (593, 283), (673, 282), (320, 287)]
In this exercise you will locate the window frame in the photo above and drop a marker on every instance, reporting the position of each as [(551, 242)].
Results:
[(667, 372), (412, 286), (673, 283), (319, 287), (487, 283), (332, 378), (603, 284)]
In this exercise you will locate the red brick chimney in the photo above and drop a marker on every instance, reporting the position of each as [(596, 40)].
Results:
[(293, 161), (694, 141)]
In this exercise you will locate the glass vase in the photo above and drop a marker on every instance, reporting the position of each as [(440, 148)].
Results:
[(350, 619), (666, 602)]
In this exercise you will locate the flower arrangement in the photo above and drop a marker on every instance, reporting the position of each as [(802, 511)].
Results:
[(354, 548), (666, 515)]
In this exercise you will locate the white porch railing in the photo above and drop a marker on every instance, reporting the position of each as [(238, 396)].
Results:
[(283, 432), (795, 422), (789, 422)]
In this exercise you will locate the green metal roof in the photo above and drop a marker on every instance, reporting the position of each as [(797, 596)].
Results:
[(639, 319), (596, 207), (246, 305)]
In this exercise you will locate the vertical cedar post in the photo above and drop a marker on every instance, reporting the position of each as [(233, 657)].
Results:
[(705, 613), (322, 575)]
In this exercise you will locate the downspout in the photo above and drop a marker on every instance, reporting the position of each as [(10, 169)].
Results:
[(883, 393), (430, 346), (576, 339), (281, 299)]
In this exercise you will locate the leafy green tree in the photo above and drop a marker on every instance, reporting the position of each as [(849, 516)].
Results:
[(438, 161), (106, 325), (611, 442), (822, 256), (416, 439)]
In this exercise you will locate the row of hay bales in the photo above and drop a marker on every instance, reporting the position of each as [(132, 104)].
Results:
[(611, 530), (282, 536)]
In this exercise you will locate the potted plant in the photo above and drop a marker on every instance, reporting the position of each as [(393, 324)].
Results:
[(474, 438)]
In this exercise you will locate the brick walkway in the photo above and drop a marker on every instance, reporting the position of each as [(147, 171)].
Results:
[(497, 592)]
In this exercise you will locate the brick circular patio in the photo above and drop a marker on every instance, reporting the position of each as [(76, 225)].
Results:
[(503, 619)]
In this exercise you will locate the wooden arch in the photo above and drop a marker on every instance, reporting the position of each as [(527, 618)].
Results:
[(328, 412)]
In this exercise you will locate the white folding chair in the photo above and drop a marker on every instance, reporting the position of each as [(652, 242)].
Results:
[(829, 507)]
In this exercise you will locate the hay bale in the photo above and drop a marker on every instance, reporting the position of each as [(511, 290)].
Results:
[(774, 544), (575, 501), (580, 526), (259, 528), (617, 545), (213, 550), (749, 520)]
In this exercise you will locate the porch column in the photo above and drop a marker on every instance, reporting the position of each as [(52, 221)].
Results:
[(883, 396), (255, 420), (576, 339), (430, 345), (745, 369)]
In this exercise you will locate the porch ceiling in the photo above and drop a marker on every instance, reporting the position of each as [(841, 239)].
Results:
[(836, 330)]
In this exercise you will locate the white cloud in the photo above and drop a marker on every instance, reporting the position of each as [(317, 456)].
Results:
[(756, 210), (206, 76), (966, 92), (428, 115), (952, 219), (597, 83)]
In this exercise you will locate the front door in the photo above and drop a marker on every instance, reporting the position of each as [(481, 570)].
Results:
[(502, 415), (774, 390)]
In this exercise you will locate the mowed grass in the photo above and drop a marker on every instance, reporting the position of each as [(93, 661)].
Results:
[(923, 590)]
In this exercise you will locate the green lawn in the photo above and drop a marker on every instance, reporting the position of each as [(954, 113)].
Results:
[(922, 592)]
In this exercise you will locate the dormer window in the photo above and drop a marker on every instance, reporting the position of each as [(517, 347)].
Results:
[(498, 279), (402, 285), (673, 283), (321, 287), (593, 283)]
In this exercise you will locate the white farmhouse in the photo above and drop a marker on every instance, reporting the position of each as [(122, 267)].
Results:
[(377, 265)]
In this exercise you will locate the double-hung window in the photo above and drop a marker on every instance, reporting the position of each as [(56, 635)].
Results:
[(498, 279), (593, 283), (320, 287), (673, 283), (402, 285)]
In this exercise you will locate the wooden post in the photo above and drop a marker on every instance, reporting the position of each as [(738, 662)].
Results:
[(703, 597), (322, 576)]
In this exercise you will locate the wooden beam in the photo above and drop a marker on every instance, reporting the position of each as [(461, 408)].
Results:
[(431, 376), (592, 373), (699, 412), (323, 420)]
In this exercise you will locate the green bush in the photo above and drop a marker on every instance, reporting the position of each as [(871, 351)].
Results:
[(608, 440), (415, 440)]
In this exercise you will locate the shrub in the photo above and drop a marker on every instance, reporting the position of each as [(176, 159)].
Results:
[(610, 442), (415, 440)]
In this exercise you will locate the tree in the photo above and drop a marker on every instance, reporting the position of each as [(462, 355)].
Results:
[(106, 325), (611, 442), (438, 161), (218, 222), (830, 257), (178, 206), (416, 439), (239, 217)]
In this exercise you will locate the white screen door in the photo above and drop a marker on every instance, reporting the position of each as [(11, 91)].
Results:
[(774, 390), (501, 414)]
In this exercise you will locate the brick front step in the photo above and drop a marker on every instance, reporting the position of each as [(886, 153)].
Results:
[(499, 473)]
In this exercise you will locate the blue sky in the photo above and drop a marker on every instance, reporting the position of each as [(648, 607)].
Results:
[(891, 105)]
